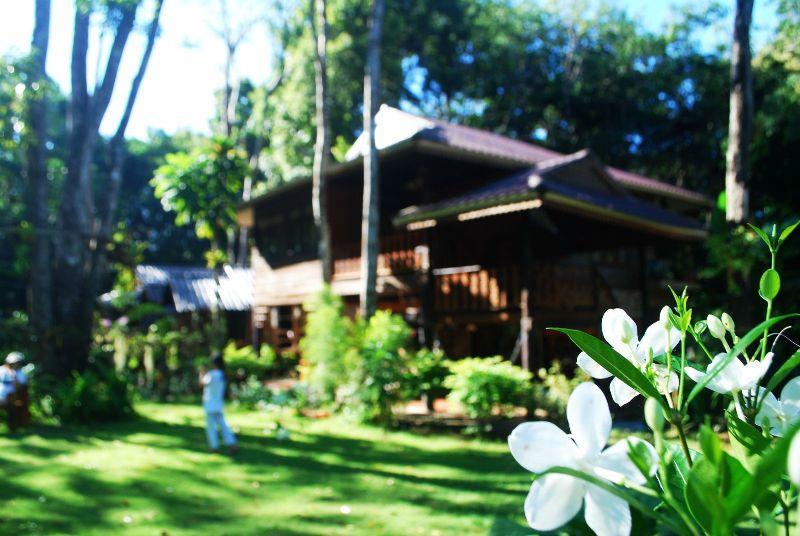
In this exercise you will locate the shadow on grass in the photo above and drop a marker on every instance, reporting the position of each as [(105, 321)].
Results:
[(200, 495)]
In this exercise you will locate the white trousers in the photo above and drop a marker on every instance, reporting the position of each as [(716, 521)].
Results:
[(214, 421)]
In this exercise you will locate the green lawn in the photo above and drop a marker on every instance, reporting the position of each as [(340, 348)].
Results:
[(153, 476)]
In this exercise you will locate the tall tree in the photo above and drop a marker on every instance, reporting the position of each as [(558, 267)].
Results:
[(73, 265), (370, 211), (116, 146), (39, 300), (322, 146), (737, 172)]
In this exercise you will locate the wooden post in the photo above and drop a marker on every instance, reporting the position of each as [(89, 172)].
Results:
[(525, 326), (527, 338)]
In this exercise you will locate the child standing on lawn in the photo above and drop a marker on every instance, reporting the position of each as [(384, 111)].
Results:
[(213, 403)]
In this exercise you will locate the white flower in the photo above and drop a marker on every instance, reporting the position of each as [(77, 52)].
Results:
[(794, 460), (620, 331), (716, 327), (735, 377), (555, 498), (780, 414)]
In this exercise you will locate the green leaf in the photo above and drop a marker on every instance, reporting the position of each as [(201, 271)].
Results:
[(746, 440), (710, 445), (786, 232), (770, 284), (764, 236), (704, 499), (743, 343), (613, 362), (677, 470), (784, 371)]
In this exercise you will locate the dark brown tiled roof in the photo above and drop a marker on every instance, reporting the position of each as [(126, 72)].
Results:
[(488, 143), (542, 182)]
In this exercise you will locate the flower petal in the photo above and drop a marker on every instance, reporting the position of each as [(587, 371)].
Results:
[(553, 500), (770, 413), (615, 464), (665, 384), (589, 418), (656, 339), (794, 460), (607, 514), (752, 373), (538, 446), (619, 330), (790, 397), (592, 367), (621, 392)]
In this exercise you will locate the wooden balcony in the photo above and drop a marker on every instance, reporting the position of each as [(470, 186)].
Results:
[(498, 289), (399, 253)]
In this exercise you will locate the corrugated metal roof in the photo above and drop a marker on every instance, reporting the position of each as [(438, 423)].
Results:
[(195, 289)]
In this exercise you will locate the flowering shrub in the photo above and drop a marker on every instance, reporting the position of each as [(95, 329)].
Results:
[(713, 490)]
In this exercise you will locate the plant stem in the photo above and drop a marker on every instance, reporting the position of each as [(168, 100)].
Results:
[(769, 313), (684, 444), (683, 367)]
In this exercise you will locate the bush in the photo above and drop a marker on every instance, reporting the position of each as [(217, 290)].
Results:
[(549, 395), (244, 362), (427, 370), (251, 394), (328, 336), (487, 386), (92, 396), (382, 366)]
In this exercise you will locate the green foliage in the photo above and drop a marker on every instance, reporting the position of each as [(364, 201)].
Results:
[(325, 344), (550, 392), (14, 333), (382, 366), (488, 386), (202, 188), (245, 363), (97, 395), (251, 394), (427, 370)]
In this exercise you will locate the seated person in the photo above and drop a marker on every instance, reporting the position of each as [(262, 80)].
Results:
[(14, 390)]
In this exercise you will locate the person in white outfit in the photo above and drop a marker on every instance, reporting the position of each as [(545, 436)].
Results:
[(213, 403)]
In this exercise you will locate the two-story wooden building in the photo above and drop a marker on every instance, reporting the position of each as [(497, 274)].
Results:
[(484, 240)]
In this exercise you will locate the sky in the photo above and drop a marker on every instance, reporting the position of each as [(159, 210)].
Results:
[(186, 67)]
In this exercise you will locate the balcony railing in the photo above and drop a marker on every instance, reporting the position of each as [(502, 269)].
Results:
[(399, 253)]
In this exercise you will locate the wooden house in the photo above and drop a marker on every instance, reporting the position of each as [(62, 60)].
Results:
[(484, 240)]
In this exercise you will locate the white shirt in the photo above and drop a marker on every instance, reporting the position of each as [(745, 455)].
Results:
[(22, 378), (8, 377), (213, 391)]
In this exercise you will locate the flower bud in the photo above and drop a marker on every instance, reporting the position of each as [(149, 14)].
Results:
[(653, 415), (715, 327), (727, 321), (663, 317)]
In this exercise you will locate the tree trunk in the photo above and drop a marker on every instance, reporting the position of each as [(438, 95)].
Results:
[(116, 147), (74, 272), (322, 146), (39, 298), (370, 215), (741, 117)]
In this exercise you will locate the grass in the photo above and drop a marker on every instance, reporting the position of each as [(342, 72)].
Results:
[(153, 476)]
